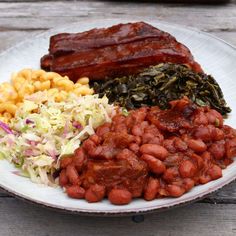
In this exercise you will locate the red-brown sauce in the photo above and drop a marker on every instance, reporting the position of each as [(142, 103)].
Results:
[(151, 154)]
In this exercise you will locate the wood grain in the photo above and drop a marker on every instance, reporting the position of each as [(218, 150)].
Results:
[(19, 218), (23, 19), (20, 20), (137, 1), (44, 15)]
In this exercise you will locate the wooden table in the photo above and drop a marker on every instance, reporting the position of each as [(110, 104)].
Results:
[(216, 215)]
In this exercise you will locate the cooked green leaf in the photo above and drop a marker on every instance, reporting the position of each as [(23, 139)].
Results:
[(160, 84)]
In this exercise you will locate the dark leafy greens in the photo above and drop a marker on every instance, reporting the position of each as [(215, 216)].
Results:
[(157, 85)]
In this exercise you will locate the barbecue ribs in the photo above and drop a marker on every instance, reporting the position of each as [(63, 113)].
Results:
[(119, 50)]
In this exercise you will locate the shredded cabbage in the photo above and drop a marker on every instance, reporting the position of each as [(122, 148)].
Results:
[(44, 130)]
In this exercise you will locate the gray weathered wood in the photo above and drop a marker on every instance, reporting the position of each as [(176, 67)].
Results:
[(44, 15), (18, 218), (225, 195), (137, 1), (22, 19)]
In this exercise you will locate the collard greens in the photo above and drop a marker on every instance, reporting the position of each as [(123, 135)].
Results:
[(157, 85)]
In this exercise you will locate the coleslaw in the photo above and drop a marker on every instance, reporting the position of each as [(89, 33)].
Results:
[(43, 131)]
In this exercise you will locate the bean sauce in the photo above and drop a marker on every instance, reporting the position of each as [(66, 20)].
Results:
[(151, 153)]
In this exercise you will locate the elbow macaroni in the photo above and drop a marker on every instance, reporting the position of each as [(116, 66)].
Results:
[(28, 81)]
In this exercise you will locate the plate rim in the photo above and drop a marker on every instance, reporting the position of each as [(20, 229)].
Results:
[(122, 212), (145, 211)]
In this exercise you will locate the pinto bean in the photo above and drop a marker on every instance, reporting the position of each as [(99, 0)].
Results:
[(152, 129), (96, 152), (203, 133), (103, 129), (75, 191), (188, 184), (217, 134), (147, 137), (88, 145), (170, 174), (79, 159), (187, 169), (137, 140), (95, 193), (203, 179), (63, 180), (215, 172), (137, 130), (125, 154), (229, 132), (120, 127), (206, 156), (72, 174), (215, 118), (169, 145), (230, 147), (180, 145), (173, 160), (120, 196), (151, 189), (134, 147), (79, 152), (154, 150), (144, 124), (64, 162), (170, 164), (197, 145), (201, 119), (139, 115), (184, 137), (129, 122), (174, 190), (95, 138), (198, 159), (155, 140), (155, 165), (178, 181), (118, 119), (217, 150)]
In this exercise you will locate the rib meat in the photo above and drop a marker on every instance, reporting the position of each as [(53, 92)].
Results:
[(116, 51), (114, 173)]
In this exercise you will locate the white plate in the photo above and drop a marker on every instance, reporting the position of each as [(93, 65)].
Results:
[(216, 57)]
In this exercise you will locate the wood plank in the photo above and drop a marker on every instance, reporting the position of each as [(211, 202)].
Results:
[(156, 1), (216, 220), (34, 16), (42, 15), (3, 194), (22, 20), (226, 195)]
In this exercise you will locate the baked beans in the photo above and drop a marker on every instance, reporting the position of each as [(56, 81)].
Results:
[(150, 153)]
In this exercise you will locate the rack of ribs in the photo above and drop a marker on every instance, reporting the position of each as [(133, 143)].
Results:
[(116, 51)]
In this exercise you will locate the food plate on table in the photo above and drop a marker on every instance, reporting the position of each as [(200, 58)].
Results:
[(215, 57)]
